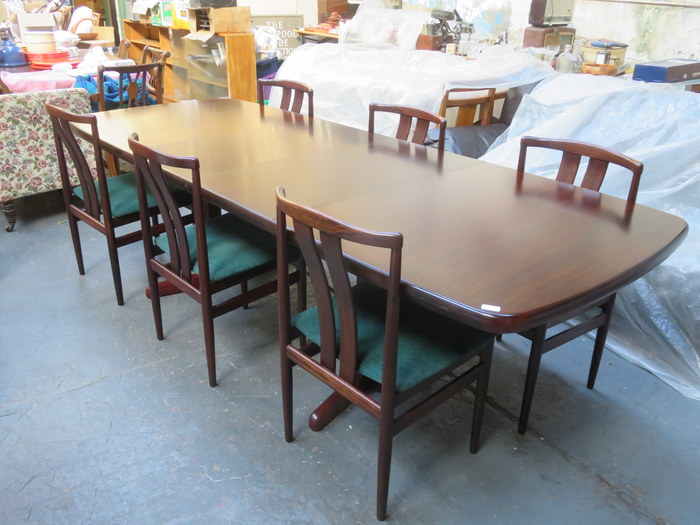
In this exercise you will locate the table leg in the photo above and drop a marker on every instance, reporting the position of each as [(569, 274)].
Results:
[(327, 411), (335, 404)]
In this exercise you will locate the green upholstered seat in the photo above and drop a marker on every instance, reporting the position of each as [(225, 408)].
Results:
[(123, 197), (122, 194), (428, 342), (234, 246)]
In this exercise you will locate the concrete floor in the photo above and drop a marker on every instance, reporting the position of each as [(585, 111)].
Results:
[(102, 423)]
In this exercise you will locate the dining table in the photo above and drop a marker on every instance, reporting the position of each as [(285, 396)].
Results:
[(499, 251)]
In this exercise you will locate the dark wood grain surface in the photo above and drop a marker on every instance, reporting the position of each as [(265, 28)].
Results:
[(501, 255)]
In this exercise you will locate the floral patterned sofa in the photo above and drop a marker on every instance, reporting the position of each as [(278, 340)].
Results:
[(28, 163)]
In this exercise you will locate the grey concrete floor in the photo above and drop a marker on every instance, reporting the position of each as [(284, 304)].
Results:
[(102, 423)]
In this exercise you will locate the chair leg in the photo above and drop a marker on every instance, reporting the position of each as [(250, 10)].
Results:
[(208, 322), (244, 291), (600, 337), (482, 386), (116, 272), (155, 303), (75, 236), (386, 438), (287, 396), (533, 367)]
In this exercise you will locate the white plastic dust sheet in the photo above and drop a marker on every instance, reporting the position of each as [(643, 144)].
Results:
[(656, 324), (346, 78)]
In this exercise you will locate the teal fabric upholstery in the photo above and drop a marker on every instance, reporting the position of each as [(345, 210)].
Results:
[(122, 194), (233, 245), (428, 342)]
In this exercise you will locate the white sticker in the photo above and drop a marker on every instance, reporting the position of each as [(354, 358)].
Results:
[(490, 308)]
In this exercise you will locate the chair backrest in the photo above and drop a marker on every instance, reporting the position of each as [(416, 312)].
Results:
[(148, 168), (152, 54), (292, 94), (66, 141), (573, 151), (127, 89), (407, 114), (123, 50), (468, 100), (334, 285)]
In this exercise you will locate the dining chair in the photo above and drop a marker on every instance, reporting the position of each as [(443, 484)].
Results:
[(407, 114), (364, 335), (468, 101), (292, 95), (150, 55), (600, 313), (123, 49), (125, 89), (104, 203), (201, 259)]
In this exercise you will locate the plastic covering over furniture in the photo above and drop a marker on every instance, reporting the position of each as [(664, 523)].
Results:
[(28, 163), (657, 319), (347, 78)]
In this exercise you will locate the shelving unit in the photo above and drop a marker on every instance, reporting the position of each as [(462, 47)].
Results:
[(142, 35), (191, 71)]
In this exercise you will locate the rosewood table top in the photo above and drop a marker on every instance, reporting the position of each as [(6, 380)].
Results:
[(500, 253)]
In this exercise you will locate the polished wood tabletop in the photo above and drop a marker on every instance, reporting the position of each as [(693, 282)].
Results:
[(500, 253)]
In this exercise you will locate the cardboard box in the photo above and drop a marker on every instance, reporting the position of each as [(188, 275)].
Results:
[(143, 9), (181, 18), (162, 14), (671, 70), (220, 20), (42, 22)]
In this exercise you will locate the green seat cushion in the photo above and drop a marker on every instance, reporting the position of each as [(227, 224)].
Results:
[(234, 246), (123, 196), (428, 342)]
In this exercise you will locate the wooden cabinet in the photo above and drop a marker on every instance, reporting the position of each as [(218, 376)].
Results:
[(223, 66)]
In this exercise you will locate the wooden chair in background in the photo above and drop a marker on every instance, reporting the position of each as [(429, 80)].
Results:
[(203, 258), (123, 50), (292, 95), (598, 160), (132, 86), (364, 335), (137, 85), (423, 121), (150, 55), (468, 101)]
